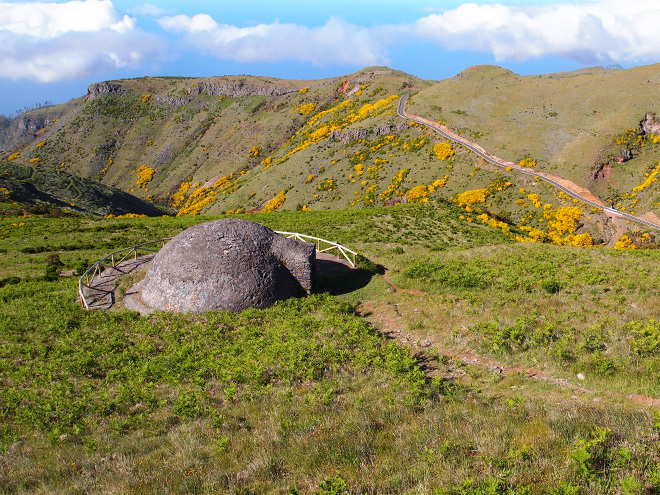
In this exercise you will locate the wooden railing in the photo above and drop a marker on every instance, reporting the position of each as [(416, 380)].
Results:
[(323, 246), (111, 261), (116, 257)]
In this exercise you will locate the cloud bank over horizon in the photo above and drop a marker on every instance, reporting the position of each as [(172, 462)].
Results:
[(50, 42), (599, 32), (334, 43)]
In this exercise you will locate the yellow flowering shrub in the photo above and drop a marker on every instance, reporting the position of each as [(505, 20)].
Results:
[(486, 219), (144, 175), (393, 188), (276, 203), (179, 196), (13, 156), (327, 185), (527, 162), (368, 109), (444, 150), (255, 151), (535, 199), (648, 180), (565, 220), (307, 108), (625, 242), (468, 198), (417, 194), (440, 183), (629, 139), (198, 200)]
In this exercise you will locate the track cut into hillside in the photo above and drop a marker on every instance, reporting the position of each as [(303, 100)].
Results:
[(388, 319)]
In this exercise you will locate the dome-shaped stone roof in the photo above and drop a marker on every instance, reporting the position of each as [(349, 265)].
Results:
[(227, 264)]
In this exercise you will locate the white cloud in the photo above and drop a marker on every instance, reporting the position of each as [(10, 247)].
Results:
[(596, 32), (336, 42), (48, 20), (55, 41), (147, 9), (185, 24)]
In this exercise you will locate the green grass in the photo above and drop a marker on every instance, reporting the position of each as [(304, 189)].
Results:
[(309, 396)]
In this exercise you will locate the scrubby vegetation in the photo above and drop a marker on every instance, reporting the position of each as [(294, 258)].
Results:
[(366, 391), (480, 349)]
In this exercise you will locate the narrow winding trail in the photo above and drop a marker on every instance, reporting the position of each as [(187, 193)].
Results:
[(564, 185), (389, 321)]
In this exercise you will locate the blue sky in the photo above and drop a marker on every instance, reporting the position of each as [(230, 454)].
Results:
[(53, 50)]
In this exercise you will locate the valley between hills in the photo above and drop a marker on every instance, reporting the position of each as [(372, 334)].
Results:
[(498, 337)]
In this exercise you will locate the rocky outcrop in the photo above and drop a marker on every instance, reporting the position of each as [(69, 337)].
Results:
[(347, 135), (102, 89), (650, 125), (402, 127), (21, 131), (176, 101), (236, 89), (228, 264)]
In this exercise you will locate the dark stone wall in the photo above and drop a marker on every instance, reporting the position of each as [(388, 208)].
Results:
[(299, 258), (228, 264)]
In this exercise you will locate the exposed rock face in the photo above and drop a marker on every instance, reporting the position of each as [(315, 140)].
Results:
[(100, 89), (175, 101), (650, 124), (237, 89), (22, 130), (228, 264), (348, 135)]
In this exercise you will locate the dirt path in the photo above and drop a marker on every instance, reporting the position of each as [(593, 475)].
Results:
[(578, 192), (388, 321)]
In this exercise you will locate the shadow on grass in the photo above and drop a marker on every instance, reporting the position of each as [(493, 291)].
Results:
[(335, 277)]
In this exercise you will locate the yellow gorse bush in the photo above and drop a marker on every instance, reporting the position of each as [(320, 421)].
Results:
[(418, 194), (179, 196), (276, 203), (535, 199), (468, 198), (307, 108), (444, 150), (649, 179), (393, 188), (144, 175), (625, 242)]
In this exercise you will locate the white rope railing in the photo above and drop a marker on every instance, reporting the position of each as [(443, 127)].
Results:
[(342, 251), (113, 259)]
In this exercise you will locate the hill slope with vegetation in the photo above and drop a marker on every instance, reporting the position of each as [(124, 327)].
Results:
[(475, 365), (235, 144), (477, 349)]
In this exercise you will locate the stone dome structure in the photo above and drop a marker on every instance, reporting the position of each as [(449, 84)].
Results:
[(227, 264)]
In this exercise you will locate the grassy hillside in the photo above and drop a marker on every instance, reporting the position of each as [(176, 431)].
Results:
[(30, 185), (567, 122), (235, 144), (477, 365)]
